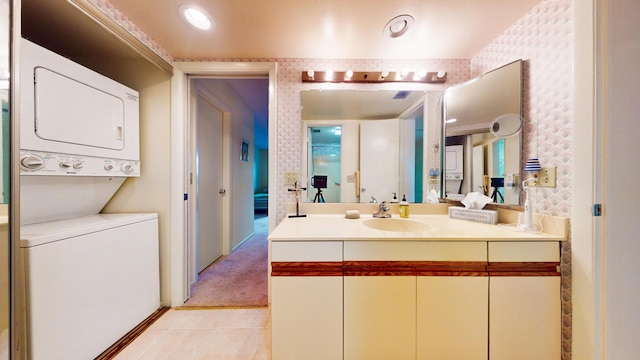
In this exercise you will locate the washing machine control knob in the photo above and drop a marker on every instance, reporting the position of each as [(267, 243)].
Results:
[(78, 164), (108, 167), (32, 162), (126, 167), (64, 164)]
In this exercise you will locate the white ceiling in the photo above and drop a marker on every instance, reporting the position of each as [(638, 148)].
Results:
[(344, 29)]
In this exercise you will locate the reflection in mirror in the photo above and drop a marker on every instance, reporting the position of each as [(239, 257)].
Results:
[(482, 122), (381, 150), (5, 249), (324, 164)]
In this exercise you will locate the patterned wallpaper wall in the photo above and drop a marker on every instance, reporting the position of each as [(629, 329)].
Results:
[(543, 39)]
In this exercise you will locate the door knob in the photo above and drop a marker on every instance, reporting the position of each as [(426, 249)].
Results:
[(222, 191), (363, 189)]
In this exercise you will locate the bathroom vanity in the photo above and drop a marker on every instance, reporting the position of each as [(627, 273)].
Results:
[(427, 287)]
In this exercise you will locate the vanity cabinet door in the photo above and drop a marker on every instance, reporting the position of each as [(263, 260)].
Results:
[(306, 300), (379, 317), (524, 301), (306, 316), (524, 318), (452, 317)]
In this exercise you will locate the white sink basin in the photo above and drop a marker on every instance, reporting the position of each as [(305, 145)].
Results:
[(397, 225)]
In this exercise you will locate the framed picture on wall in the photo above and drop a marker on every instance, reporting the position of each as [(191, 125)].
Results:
[(244, 150)]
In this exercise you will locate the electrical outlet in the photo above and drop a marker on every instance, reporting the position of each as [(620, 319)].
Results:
[(290, 177), (546, 177), (351, 178)]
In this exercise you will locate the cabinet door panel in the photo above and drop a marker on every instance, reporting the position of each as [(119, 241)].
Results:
[(306, 315), (524, 318), (379, 317), (452, 317)]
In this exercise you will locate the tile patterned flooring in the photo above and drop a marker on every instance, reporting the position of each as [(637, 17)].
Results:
[(233, 334)]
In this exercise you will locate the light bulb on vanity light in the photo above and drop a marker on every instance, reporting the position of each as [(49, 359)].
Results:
[(348, 75), (328, 74)]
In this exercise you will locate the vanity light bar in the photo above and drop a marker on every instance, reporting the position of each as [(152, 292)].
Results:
[(373, 76)]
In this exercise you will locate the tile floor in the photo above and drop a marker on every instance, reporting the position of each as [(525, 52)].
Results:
[(212, 334)]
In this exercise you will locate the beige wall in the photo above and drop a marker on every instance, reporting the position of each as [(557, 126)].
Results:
[(144, 194)]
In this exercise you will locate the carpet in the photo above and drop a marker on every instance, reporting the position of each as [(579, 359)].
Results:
[(239, 279)]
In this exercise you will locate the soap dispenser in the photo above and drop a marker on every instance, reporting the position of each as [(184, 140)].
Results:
[(395, 199), (404, 207)]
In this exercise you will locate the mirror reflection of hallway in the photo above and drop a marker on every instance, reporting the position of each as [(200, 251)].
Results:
[(324, 163)]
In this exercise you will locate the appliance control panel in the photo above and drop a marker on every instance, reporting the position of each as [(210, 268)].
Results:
[(44, 163)]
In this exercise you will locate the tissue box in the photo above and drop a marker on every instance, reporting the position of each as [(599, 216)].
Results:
[(481, 216)]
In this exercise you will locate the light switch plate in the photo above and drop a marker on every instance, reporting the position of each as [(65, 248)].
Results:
[(546, 177), (290, 177)]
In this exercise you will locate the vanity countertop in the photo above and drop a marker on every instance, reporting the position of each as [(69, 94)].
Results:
[(438, 227)]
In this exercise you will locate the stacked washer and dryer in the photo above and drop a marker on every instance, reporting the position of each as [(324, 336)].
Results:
[(89, 277)]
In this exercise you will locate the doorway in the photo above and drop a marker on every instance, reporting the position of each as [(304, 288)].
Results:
[(181, 271), (229, 134)]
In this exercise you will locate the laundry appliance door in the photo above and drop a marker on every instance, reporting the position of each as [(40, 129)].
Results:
[(72, 112)]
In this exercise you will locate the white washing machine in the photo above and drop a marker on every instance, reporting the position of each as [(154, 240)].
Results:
[(89, 281), (89, 278)]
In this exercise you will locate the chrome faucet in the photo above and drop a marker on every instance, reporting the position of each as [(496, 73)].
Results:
[(373, 200), (383, 211)]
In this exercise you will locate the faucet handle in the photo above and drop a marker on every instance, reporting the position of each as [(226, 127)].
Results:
[(373, 200)]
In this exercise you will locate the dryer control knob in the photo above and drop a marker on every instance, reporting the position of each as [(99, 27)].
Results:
[(64, 164), (78, 164), (126, 168), (32, 162), (108, 167)]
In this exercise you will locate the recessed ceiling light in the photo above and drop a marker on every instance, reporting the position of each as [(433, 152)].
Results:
[(398, 26), (195, 17)]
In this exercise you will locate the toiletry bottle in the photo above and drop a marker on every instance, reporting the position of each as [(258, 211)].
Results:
[(404, 207), (395, 199)]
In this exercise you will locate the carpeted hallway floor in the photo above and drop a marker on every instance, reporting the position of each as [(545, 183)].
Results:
[(239, 279)]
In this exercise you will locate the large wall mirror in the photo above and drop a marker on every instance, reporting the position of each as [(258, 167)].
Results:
[(366, 146), (482, 121)]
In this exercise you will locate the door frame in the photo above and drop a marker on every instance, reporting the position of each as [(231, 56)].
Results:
[(180, 156)]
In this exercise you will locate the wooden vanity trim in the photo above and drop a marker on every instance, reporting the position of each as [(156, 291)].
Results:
[(323, 268), (379, 268), (523, 268), (415, 268)]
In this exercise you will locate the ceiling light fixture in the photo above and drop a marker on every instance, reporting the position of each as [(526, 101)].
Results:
[(195, 17), (398, 26)]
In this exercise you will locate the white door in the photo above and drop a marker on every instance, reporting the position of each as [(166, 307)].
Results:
[(477, 174), (379, 160), (209, 183)]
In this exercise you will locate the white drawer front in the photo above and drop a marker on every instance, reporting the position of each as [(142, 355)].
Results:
[(306, 251), (415, 250), (524, 251)]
